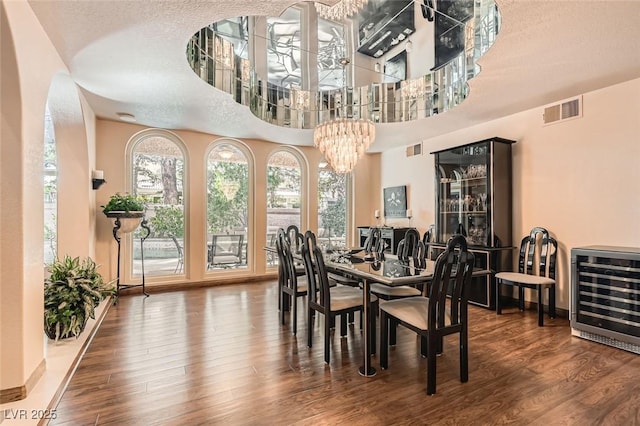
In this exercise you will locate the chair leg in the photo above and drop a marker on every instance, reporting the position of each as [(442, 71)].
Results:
[(424, 344), (552, 301), (393, 328), (294, 312), (343, 325), (327, 337), (282, 306), (310, 317), (540, 308), (464, 355), (521, 298), (498, 303), (432, 340), (384, 340)]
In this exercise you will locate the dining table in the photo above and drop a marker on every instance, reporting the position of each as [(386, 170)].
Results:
[(384, 269)]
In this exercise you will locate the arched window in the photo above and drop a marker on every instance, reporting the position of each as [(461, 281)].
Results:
[(157, 175), (332, 208), (228, 206), (50, 190), (284, 195)]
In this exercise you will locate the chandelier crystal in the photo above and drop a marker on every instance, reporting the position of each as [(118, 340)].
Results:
[(343, 141), (341, 10)]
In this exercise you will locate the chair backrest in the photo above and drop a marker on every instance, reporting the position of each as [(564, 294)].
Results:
[(307, 249), (538, 254), (451, 277), (324, 288), (408, 246), (374, 242), (286, 265), (428, 238), (295, 238), (429, 235), (420, 259)]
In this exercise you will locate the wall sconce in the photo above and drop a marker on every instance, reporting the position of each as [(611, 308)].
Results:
[(409, 215), (97, 178), (376, 67), (376, 214)]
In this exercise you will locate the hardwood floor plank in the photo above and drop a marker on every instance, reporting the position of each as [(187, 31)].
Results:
[(220, 356)]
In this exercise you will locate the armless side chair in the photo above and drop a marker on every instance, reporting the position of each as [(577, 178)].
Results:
[(536, 270)]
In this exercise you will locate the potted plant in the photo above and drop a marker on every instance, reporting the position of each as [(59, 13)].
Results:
[(127, 208), (71, 293)]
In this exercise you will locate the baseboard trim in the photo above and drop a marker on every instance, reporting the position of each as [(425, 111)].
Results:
[(160, 288), (21, 392)]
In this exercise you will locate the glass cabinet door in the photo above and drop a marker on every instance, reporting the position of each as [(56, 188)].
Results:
[(464, 194)]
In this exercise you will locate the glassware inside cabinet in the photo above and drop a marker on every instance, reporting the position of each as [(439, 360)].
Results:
[(465, 206)]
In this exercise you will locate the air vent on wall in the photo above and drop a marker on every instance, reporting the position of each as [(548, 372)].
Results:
[(414, 150), (565, 110)]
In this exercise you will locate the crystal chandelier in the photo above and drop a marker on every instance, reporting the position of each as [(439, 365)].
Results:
[(341, 10), (343, 141)]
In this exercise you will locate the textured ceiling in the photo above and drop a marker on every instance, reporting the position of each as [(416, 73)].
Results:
[(129, 56)]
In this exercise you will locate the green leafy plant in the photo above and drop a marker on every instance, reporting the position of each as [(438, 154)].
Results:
[(168, 221), (71, 293), (124, 203)]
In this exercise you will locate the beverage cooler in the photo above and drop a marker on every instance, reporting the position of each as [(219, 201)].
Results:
[(605, 295)]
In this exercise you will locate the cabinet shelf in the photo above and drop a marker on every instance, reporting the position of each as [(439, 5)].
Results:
[(481, 180)]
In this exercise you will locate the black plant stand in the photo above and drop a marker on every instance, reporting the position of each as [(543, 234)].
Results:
[(119, 285)]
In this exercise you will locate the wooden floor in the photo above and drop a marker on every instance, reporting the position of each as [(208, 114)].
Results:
[(219, 356)]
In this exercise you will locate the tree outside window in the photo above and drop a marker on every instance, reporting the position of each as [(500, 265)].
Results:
[(332, 208), (157, 175)]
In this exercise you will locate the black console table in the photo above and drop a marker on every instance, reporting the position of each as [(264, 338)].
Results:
[(116, 236), (392, 236)]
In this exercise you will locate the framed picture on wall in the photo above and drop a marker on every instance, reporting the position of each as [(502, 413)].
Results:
[(395, 201), (395, 69)]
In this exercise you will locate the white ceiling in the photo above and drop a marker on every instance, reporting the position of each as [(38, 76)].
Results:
[(129, 56)]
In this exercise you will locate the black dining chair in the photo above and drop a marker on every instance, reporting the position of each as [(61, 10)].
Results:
[(327, 300), (374, 243), (442, 309), (295, 238), (289, 287), (536, 270), (428, 238), (408, 245), (412, 251)]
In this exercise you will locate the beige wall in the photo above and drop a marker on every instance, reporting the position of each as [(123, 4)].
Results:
[(112, 141), (577, 178), (28, 82)]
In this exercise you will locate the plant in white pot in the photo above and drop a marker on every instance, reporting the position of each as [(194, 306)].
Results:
[(126, 208), (71, 294)]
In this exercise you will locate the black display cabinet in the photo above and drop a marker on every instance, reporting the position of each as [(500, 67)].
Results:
[(473, 198)]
